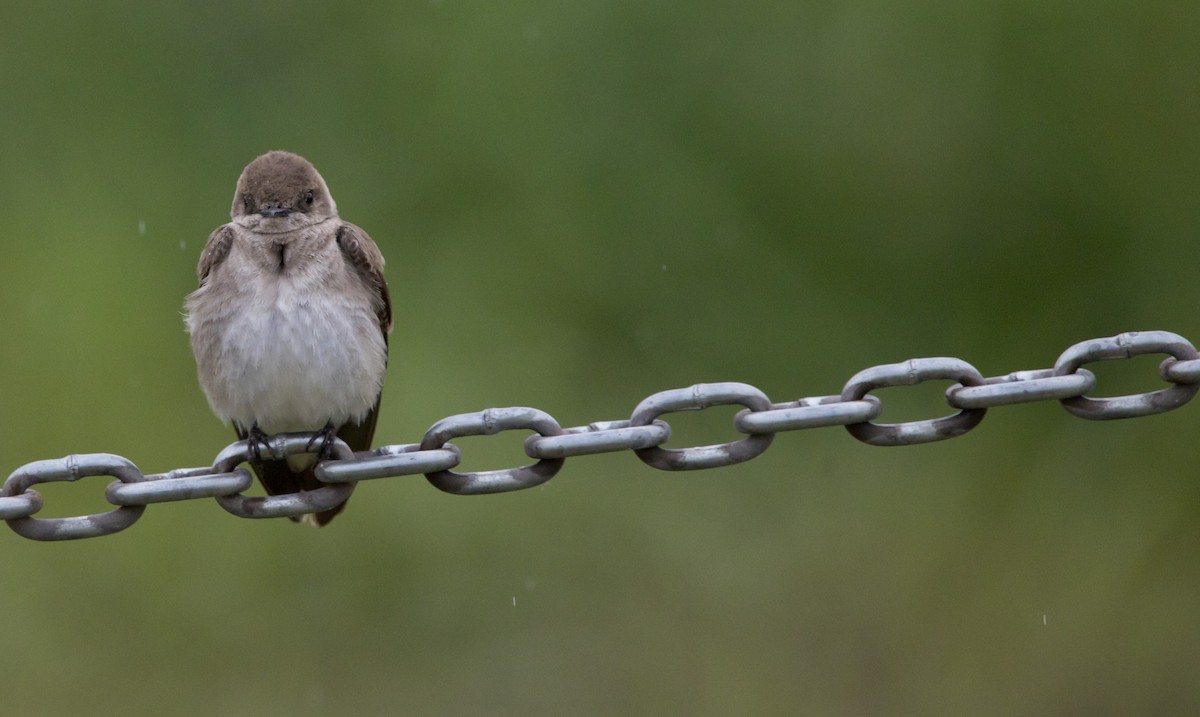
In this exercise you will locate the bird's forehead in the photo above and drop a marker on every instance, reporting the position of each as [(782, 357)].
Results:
[(279, 176), (277, 185)]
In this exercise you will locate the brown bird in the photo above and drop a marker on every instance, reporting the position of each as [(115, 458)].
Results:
[(289, 326)]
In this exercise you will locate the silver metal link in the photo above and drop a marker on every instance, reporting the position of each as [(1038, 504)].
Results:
[(696, 398), (812, 412), (644, 433), (488, 422), (599, 437), (910, 373), (1175, 371), (292, 504), (20, 506), (179, 484), (1021, 387), (72, 468), (389, 462), (1124, 346)]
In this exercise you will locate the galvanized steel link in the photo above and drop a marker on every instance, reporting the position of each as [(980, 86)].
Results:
[(179, 484), (1176, 371), (291, 504), (909, 373), (598, 437), (644, 433), (488, 422), (389, 462), (1021, 387), (72, 468), (812, 412), (1124, 346), (20, 506), (699, 397)]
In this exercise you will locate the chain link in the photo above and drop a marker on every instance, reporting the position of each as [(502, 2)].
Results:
[(1127, 346), (698, 398), (278, 506), (644, 433), (910, 373)]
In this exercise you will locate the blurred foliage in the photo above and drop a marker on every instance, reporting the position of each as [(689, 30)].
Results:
[(581, 204)]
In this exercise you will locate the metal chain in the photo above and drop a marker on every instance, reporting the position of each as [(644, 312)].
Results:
[(644, 433)]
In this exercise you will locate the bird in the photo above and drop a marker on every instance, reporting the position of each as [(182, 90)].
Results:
[(290, 323)]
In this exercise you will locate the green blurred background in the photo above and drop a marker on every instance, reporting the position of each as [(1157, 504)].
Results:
[(582, 204)]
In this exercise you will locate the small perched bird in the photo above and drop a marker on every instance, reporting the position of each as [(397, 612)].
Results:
[(290, 323)]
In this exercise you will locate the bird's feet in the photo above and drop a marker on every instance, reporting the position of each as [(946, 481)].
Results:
[(256, 444), (323, 440)]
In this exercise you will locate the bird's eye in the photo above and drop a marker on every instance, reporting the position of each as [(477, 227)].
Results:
[(246, 200), (308, 197)]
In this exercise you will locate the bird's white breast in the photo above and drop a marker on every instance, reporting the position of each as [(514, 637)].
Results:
[(287, 350)]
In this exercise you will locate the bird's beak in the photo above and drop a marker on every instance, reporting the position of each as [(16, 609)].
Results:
[(275, 210)]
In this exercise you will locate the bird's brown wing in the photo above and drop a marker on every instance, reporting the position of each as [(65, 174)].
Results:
[(362, 253), (215, 251)]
